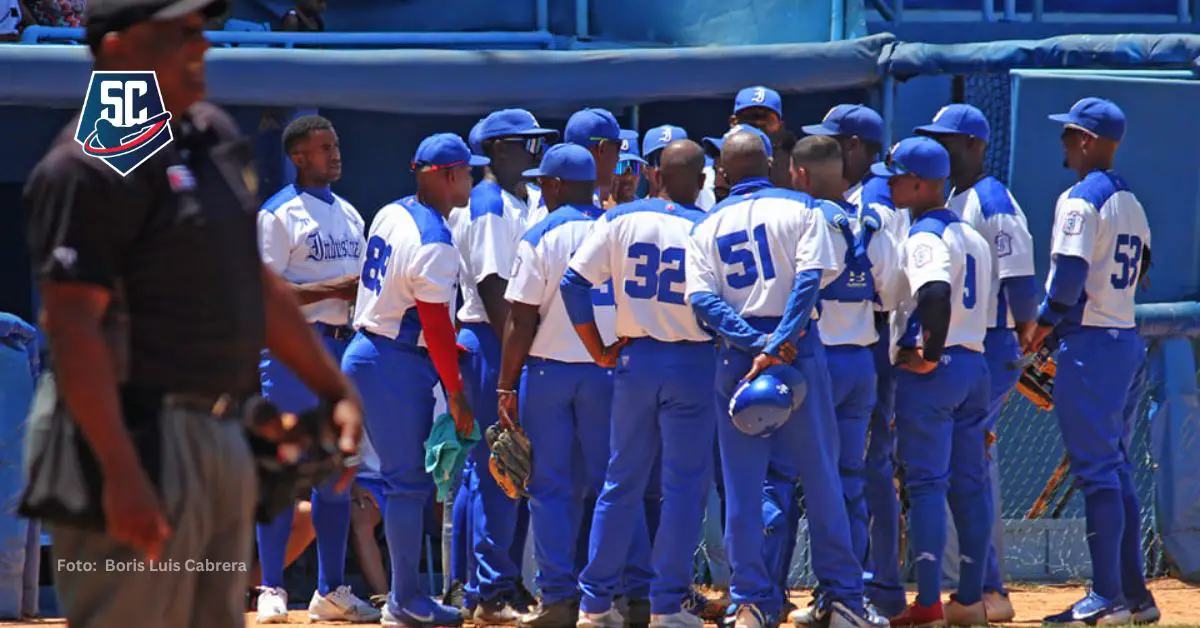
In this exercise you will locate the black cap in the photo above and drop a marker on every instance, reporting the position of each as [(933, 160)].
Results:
[(113, 16)]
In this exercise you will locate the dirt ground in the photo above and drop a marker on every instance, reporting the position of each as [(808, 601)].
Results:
[(1179, 603)]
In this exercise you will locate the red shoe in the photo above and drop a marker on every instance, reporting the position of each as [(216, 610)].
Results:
[(919, 616)]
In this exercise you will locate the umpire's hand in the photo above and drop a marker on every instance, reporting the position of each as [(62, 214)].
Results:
[(132, 511)]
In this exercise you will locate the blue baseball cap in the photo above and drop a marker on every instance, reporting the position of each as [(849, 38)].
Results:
[(919, 156), (849, 120), (629, 146), (511, 123), (958, 119), (569, 162), (445, 150), (1097, 116), (588, 126), (715, 143), (473, 140), (758, 96), (658, 138)]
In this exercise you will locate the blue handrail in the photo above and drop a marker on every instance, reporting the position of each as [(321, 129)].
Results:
[(535, 39), (893, 10)]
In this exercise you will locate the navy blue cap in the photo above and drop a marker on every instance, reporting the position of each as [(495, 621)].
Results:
[(850, 120), (569, 162), (658, 138), (958, 119), (919, 156), (473, 140), (629, 146), (588, 126), (715, 143), (1100, 117), (446, 150), (758, 96), (512, 123)]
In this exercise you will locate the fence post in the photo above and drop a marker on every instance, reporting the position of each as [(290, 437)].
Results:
[(1174, 423), (1038, 8)]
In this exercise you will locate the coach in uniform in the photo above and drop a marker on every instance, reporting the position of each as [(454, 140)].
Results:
[(313, 239), (163, 265), (1100, 250), (942, 386), (597, 130), (403, 345)]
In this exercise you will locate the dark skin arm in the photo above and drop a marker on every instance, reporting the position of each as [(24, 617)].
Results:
[(491, 290), (85, 370), (290, 23), (519, 331), (344, 289), (594, 343)]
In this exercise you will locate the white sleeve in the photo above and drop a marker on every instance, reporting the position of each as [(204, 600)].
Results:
[(814, 250), (527, 282), (433, 273), (492, 246), (1075, 225), (591, 259), (274, 242), (1012, 245), (884, 263), (926, 259), (701, 277)]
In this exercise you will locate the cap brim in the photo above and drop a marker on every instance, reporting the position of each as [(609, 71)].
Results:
[(535, 133), (737, 110), (533, 173), (631, 157), (880, 169), (819, 129), (479, 160), (1064, 118), (712, 145), (937, 129)]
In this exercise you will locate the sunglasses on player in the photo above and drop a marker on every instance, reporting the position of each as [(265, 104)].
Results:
[(533, 145), (628, 167)]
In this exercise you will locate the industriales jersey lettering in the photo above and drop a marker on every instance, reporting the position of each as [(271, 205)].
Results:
[(643, 248), (542, 258), (848, 304), (1100, 220), (991, 210), (409, 258), (312, 235), (486, 234), (941, 247), (750, 247)]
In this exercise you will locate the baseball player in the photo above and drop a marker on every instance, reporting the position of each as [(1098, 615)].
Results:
[(404, 344), (653, 142), (661, 356), (628, 174), (757, 106), (987, 205), (565, 398), (847, 322), (314, 240), (1099, 252), (859, 131), (760, 258), (597, 130), (942, 387), (487, 238)]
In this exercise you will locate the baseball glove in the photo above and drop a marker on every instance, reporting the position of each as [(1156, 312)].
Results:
[(511, 462), (1037, 379)]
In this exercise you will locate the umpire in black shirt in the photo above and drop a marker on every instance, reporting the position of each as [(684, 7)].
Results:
[(157, 305)]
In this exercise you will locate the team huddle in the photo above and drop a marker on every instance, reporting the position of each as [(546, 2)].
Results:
[(775, 316)]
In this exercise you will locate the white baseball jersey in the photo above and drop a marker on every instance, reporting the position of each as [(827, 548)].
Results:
[(749, 248), (304, 239), (990, 209), (874, 193), (847, 318), (643, 247), (1101, 221), (542, 258), (708, 196), (410, 257), (486, 235), (941, 247)]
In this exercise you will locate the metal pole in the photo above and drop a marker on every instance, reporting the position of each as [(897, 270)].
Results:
[(889, 109), (635, 118), (1010, 10), (989, 11), (899, 10), (581, 19), (1038, 9), (1183, 11), (837, 20), (543, 15)]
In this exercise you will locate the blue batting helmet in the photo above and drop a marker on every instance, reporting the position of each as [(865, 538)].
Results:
[(762, 405)]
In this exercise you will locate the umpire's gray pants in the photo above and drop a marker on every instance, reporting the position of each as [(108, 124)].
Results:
[(209, 490)]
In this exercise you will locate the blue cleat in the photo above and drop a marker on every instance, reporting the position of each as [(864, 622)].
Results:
[(422, 612), (1092, 610)]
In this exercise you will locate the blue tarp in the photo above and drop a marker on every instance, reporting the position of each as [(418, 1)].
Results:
[(469, 82), (905, 60)]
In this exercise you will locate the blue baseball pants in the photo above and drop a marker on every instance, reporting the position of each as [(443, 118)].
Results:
[(330, 509), (855, 392), (940, 421), (1096, 391), (883, 504), (1000, 348), (494, 515), (657, 407), (805, 448)]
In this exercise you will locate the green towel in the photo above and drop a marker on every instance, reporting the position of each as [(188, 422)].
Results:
[(446, 453)]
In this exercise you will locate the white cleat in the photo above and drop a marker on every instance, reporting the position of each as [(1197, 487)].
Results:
[(272, 605), (682, 619), (748, 616), (342, 605), (608, 619)]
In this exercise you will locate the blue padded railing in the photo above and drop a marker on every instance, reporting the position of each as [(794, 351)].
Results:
[(536, 39), (893, 10)]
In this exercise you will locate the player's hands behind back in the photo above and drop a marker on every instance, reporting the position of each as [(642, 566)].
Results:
[(913, 361), (608, 357)]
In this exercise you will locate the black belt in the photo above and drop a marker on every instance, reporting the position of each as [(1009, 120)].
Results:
[(220, 406), (337, 332)]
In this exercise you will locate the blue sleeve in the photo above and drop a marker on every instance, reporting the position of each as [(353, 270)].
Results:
[(1021, 294), (718, 315), (796, 315), (1066, 286), (577, 298)]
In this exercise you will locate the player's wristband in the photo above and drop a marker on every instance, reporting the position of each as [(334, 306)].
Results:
[(505, 391)]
